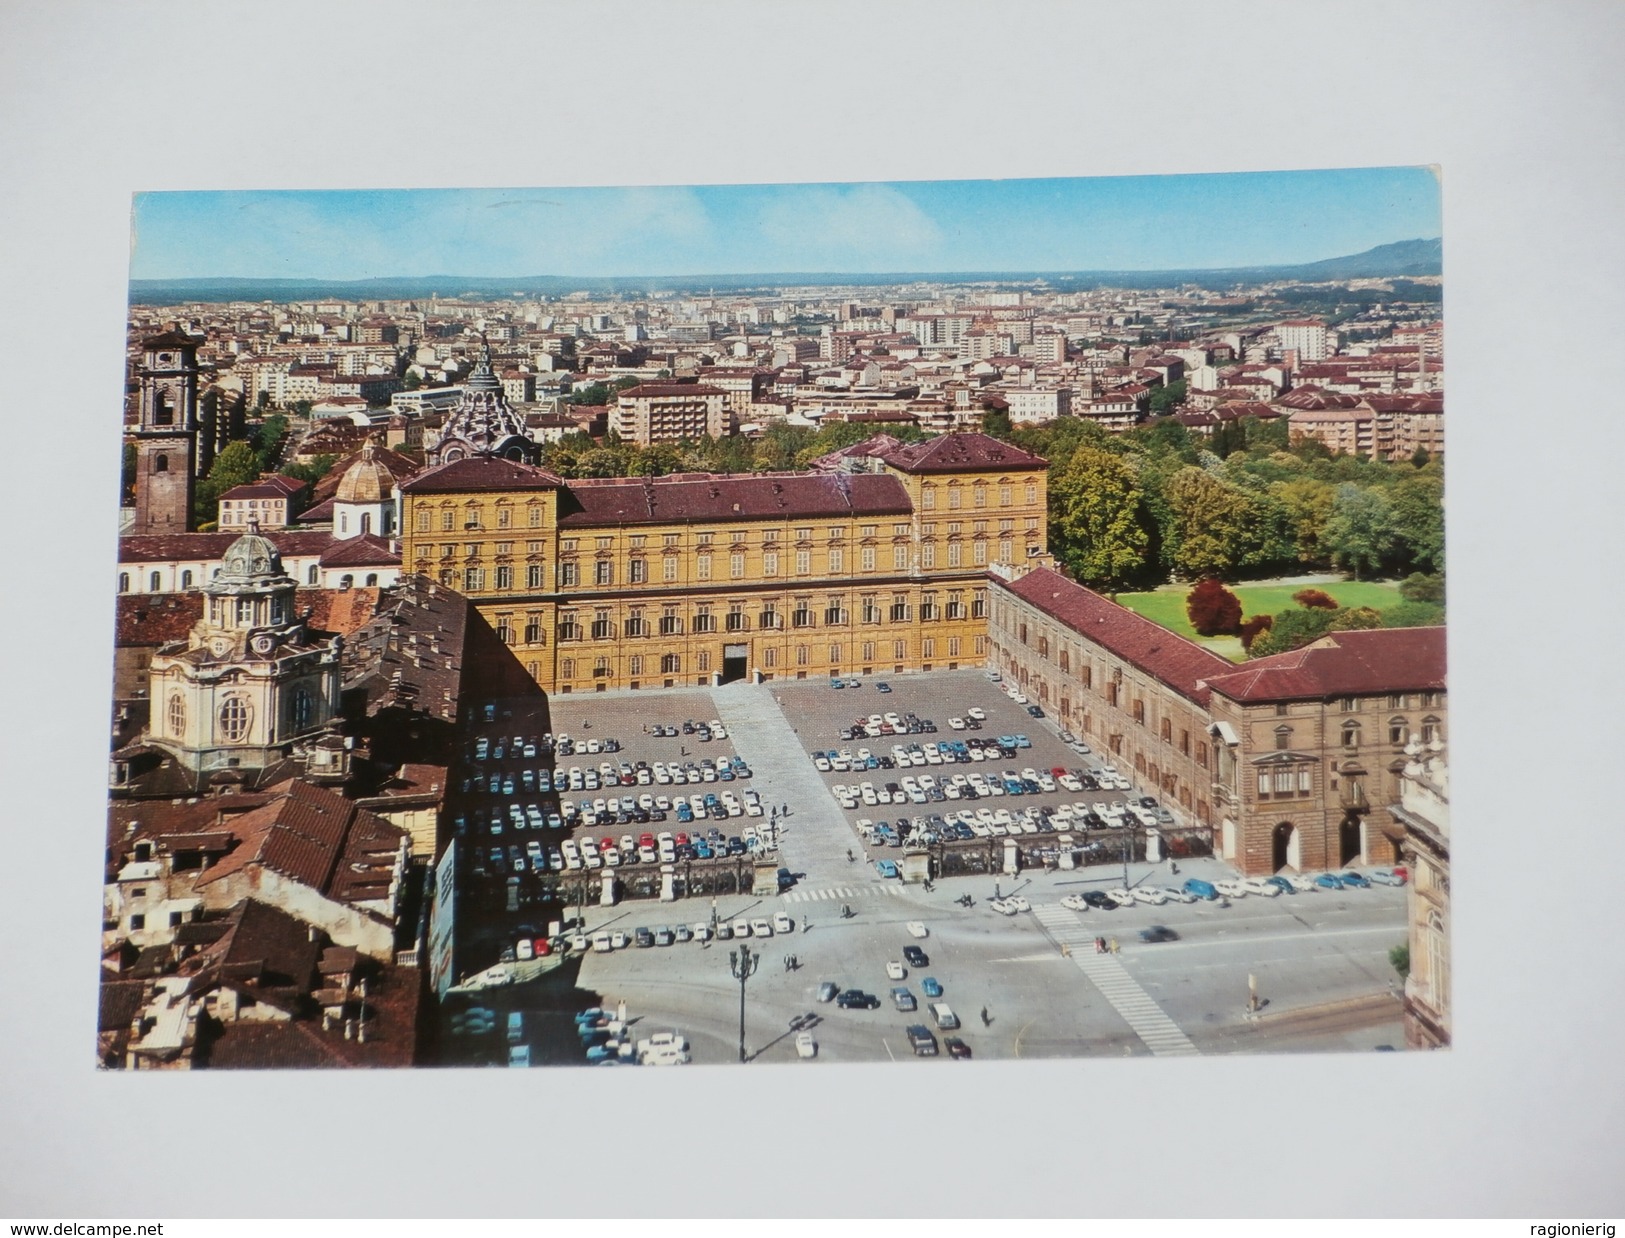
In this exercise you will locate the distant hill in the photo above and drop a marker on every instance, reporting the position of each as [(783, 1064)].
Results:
[(1402, 258)]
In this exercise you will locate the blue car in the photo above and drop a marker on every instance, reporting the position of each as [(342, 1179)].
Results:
[(886, 868), (1023, 742), (1281, 884), (837, 684), (930, 987), (1328, 881), (1356, 880), (685, 814), (1201, 889), (882, 687)]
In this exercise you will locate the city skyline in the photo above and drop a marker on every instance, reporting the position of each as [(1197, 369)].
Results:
[(1144, 223)]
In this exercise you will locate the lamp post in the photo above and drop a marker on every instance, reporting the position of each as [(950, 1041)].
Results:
[(743, 964)]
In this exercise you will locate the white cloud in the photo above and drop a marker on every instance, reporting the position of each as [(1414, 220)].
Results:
[(845, 227)]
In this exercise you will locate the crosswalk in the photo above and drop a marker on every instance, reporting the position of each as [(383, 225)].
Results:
[(1160, 1033), (842, 893)]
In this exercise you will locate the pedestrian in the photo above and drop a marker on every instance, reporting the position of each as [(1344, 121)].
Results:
[(1100, 945), (1114, 945), (803, 924)]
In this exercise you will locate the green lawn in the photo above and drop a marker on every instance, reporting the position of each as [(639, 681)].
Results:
[(1167, 606)]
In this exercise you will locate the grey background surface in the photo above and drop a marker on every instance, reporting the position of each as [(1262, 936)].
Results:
[(1519, 104)]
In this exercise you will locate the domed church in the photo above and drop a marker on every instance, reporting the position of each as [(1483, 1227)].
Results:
[(483, 424), (251, 679)]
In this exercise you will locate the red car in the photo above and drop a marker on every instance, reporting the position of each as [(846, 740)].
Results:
[(543, 947), (680, 839), (606, 844), (1057, 772), (646, 840)]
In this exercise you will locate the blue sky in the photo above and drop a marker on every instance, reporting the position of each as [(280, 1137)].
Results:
[(1115, 223)]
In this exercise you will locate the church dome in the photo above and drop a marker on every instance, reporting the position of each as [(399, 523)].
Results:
[(366, 481), (251, 562)]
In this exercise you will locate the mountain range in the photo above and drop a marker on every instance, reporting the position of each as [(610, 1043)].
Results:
[(1420, 257)]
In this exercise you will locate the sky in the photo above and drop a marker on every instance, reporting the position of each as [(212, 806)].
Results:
[(1081, 224)]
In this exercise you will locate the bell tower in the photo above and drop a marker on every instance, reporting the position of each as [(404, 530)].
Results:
[(166, 440)]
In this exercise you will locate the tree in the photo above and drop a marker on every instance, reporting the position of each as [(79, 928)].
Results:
[(1210, 521), (1252, 628), (1418, 587), (411, 382), (1308, 505), (1400, 958), (126, 481), (1413, 615), (996, 422), (1166, 399), (1291, 629), (1354, 619), (311, 471), (1418, 520), (1360, 529), (1213, 610), (1096, 527), (237, 465), (1314, 598)]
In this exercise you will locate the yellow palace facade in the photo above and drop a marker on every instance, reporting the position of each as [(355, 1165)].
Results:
[(874, 561)]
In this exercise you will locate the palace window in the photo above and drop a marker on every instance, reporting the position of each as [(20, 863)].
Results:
[(177, 714), (637, 571), (899, 649), (569, 628), (899, 558), (635, 664), (769, 618), (705, 659), (533, 576), (702, 567), (803, 655), (1167, 731), (473, 579), (504, 577), (535, 514), (868, 559), (670, 663), (1032, 493), (1430, 730), (569, 575), (1004, 496), (448, 520), (567, 668), (834, 616), (634, 624), (978, 553), (837, 561), (234, 718), (735, 620), (899, 608), (978, 606), (504, 517), (802, 616), (770, 563), (980, 490), (504, 630), (533, 630), (671, 623), (1351, 735), (1283, 737), (668, 570), (928, 498), (736, 566), (602, 628), (603, 572), (928, 608), (704, 621), (1396, 730), (803, 562)]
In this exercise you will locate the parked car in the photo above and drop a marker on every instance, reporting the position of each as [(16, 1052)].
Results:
[(904, 1000), (1268, 889), (1281, 884), (857, 999), (915, 957), (1329, 881), (806, 1046), (1201, 889), (895, 970), (921, 1040), (827, 991), (956, 1047), (931, 987), (886, 868), (1387, 877)]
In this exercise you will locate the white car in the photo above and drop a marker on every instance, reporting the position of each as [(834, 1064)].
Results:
[(820, 763), (1150, 894), (895, 970), (1002, 906), (1070, 783), (1254, 886), (1121, 896), (702, 930), (761, 928), (741, 927), (957, 724), (916, 928), (1019, 903), (1302, 884), (1075, 902), (977, 713), (806, 1046), (1231, 889), (1177, 895), (782, 923)]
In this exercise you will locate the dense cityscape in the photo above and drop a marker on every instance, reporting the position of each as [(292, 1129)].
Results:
[(1092, 628)]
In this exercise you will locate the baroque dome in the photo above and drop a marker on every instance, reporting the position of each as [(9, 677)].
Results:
[(366, 481)]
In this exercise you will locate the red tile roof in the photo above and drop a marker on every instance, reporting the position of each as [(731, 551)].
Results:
[(477, 473), (176, 547), (716, 497), (1177, 662), (954, 453), (661, 390), (367, 550), (1343, 664), (156, 618)]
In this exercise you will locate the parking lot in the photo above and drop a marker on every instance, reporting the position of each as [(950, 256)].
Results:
[(1029, 958)]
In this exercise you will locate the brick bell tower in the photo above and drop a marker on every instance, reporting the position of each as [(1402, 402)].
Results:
[(166, 440)]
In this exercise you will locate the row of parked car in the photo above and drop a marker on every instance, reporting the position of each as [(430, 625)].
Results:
[(1196, 890), (529, 748)]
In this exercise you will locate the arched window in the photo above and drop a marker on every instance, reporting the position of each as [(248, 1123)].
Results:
[(1430, 729), (372, 579), (344, 522), (186, 579), (346, 581), (177, 714), (160, 463), (366, 523), (1351, 735), (234, 717), (124, 582), (155, 581), (314, 575), (1283, 737)]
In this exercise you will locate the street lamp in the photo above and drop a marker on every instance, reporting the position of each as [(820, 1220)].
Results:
[(743, 964)]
